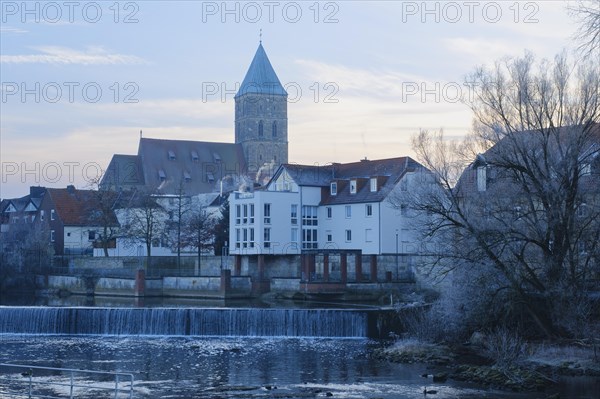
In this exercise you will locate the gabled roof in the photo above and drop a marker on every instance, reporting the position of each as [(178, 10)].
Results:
[(388, 172), (77, 207), (261, 77), (197, 166), (123, 171), (509, 148)]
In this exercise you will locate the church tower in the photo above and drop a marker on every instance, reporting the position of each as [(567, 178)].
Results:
[(261, 124)]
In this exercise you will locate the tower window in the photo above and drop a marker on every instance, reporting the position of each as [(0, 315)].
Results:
[(260, 129), (274, 128)]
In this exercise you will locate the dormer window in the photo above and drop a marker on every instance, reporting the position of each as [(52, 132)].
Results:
[(195, 156), (373, 184), (333, 188), (210, 177), (171, 155), (161, 175), (216, 157), (187, 177), (352, 186)]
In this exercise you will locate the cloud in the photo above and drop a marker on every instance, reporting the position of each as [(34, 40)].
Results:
[(10, 29), (65, 56)]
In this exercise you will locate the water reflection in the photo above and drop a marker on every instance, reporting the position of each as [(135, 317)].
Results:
[(246, 367)]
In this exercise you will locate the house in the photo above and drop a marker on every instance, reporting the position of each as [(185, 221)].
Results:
[(154, 219), (334, 210), (18, 217), (165, 166), (75, 219), (532, 201)]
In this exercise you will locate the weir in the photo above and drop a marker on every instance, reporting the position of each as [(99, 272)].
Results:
[(253, 322)]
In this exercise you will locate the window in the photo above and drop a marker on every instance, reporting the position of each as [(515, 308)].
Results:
[(274, 128), (333, 188), (369, 210), (368, 235), (251, 243), (329, 236), (68, 234), (404, 185), (245, 218), (195, 156), (238, 212), (294, 237), (582, 210), (260, 129), (352, 186), (251, 213), (267, 237), (238, 234), (245, 238), (348, 235), (188, 178), (171, 155), (309, 239), (309, 215), (42, 215), (329, 212), (52, 214), (348, 211), (91, 235), (294, 214), (210, 177), (161, 175), (481, 178), (216, 157), (267, 212), (403, 209), (373, 184), (52, 236)]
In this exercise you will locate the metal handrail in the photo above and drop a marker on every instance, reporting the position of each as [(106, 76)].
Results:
[(27, 387)]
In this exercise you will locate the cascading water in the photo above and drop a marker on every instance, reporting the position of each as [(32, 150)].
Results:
[(185, 322)]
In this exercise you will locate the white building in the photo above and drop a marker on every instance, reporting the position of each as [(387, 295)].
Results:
[(338, 207), (166, 210)]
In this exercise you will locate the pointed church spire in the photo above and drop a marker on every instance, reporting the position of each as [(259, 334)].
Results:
[(261, 77)]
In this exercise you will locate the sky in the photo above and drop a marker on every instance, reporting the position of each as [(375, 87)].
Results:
[(81, 79)]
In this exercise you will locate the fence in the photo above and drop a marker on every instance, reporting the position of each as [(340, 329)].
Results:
[(22, 381)]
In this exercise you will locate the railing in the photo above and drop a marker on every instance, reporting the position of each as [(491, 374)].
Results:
[(22, 381)]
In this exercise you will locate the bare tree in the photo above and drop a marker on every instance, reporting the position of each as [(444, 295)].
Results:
[(104, 201), (525, 209), (587, 14), (198, 232), (144, 224), (177, 221)]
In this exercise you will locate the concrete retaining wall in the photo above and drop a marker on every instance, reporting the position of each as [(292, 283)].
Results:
[(285, 284)]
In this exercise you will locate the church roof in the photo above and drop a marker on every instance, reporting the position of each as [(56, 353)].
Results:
[(261, 77)]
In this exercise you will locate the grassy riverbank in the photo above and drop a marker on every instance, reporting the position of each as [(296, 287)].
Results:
[(537, 368)]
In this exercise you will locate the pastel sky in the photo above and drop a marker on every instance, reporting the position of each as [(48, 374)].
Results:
[(81, 79)]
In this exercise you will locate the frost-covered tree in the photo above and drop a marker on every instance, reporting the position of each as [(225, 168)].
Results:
[(521, 194)]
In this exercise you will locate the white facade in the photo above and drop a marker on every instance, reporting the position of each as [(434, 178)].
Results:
[(127, 246), (373, 226)]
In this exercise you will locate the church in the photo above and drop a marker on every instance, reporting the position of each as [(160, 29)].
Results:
[(166, 166)]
